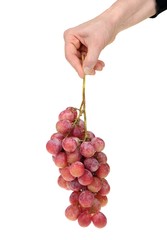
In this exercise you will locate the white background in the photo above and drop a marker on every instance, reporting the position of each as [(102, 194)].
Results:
[(126, 106)]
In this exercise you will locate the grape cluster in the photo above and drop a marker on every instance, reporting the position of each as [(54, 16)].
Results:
[(82, 167)]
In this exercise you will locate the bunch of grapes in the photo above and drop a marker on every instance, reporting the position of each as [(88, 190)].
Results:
[(82, 165)]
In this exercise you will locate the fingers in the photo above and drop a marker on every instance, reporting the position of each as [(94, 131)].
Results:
[(74, 50), (72, 54)]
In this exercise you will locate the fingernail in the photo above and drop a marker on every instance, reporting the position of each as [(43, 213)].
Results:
[(88, 70)]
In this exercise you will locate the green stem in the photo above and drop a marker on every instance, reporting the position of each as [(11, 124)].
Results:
[(84, 106)]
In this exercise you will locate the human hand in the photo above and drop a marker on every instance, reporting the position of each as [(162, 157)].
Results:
[(88, 40), (91, 37)]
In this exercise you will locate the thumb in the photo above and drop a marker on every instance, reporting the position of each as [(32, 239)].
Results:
[(90, 60)]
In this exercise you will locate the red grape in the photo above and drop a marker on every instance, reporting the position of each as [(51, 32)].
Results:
[(84, 219), (99, 220), (77, 169), (86, 198), (91, 164), (70, 144), (98, 144), (72, 212), (60, 160), (86, 178), (87, 149), (54, 146)]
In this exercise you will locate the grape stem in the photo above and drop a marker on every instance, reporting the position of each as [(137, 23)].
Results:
[(82, 109), (84, 106)]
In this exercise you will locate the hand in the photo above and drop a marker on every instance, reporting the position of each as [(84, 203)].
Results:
[(87, 39), (91, 37)]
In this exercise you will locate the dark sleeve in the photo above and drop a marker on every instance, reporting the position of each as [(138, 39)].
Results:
[(161, 5)]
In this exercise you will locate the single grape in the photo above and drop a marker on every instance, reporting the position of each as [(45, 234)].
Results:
[(103, 199), (78, 131), (87, 150), (60, 160), (89, 135), (96, 206), (91, 164), (64, 126), (68, 114), (86, 198), (103, 170), (84, 219), (77, 169), (74, 198), (105, 188), (73, 156), (72, 212), (101, 157), (98, 144), (95, 185), (70, 144), (99, 220), (65, 172), (57, 135), (54, 146), (74, 185), (62, 182), (86, 178)]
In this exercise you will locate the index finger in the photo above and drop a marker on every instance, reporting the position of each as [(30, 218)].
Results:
[(73, 54)]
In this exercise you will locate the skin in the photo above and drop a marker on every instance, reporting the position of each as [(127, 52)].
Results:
[(84, 43)]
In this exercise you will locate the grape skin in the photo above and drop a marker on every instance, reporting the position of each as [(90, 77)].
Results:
[(99, 220), (77, 169), (86, 178), (72, 212), (86, 199), (83, 167), (87, 150), (84, 219), (91, 164)]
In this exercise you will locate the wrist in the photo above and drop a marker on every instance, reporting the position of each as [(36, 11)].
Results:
[(126, 13)]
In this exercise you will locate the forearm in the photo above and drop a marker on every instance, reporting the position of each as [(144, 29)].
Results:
[(127, 13)]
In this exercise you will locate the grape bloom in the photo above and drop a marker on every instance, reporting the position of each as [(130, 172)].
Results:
[(82, 165)]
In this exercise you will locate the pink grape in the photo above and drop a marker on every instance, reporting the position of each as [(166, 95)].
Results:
[(102, 199), (60, 160), (57, 135), (68, 114), (105, 188), (96, 206), (72, 212), (70, 144), (98, 144), (99, 220), (89, 135), (62, 182), (95, 185), (64, 126), (73, 156), (77, 131), (87, 150), (74, 198), (74, 185), (91, 164), (86, 178), (54, 146), (101, 157), (77, 169), (103, 170), (65, 172), (84, 219), (86, 198)]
